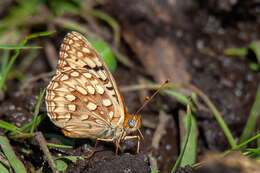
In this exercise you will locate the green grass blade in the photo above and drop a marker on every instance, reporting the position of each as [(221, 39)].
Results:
[(236, 52), (253, 117), (184, 148), (243, 144), (180, 97), (16, 164), (12, 47), (4, 60), (111, 22), (59, 146), (27, 127), (189, 156), (17, 52), (9, 127), (3, 169), (36, 111)]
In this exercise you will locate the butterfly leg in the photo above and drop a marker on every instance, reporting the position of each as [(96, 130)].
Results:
[(138, 141)]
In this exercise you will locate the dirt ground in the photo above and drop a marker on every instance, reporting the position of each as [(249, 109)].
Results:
[(183, 41)]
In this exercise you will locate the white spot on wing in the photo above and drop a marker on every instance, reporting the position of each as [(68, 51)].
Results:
[(86, 50), (87, 75), (91, 106), (72, 107), (80, 54), (90, 89), (100, 89), (70, 97), (106, 102), (64, 77), (81, 90), (75, 74)]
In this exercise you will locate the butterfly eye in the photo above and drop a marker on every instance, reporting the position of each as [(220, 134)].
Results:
[(131, 122)]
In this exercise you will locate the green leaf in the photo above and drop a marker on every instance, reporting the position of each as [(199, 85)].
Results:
[(61, 165), (254, 66), (106, 53), (16, 164)]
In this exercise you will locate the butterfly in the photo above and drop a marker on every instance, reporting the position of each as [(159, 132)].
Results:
[(83, 98)]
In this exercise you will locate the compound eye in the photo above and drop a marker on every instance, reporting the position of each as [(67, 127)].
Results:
[(131, 122)]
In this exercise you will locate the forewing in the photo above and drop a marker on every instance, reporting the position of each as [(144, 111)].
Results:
[(76, 52)]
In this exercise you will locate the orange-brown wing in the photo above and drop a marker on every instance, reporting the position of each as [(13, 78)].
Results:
[(83, 97)]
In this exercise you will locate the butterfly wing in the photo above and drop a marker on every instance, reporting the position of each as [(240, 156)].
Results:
[(83, 97)]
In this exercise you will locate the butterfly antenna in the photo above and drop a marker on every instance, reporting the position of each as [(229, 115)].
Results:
[(148, 99)]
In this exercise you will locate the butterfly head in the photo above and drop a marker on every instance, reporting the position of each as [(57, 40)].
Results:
[(132, 123)]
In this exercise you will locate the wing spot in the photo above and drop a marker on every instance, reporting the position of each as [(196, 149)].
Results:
[(71, 89), (87, 75), (55, 85), (109, 86), (71, 107), (64, 77), (81, 90), (99, 122), (91, 106), (65, 55), (70, 41), (67, 116), (77, 44), (70, 97), (80, 54), (100, 89), (74, 74), (84, 117), (67, 47), (91, 89), (106, 102), (75, 38), (90, 63), (102, 75), (86, 50)]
